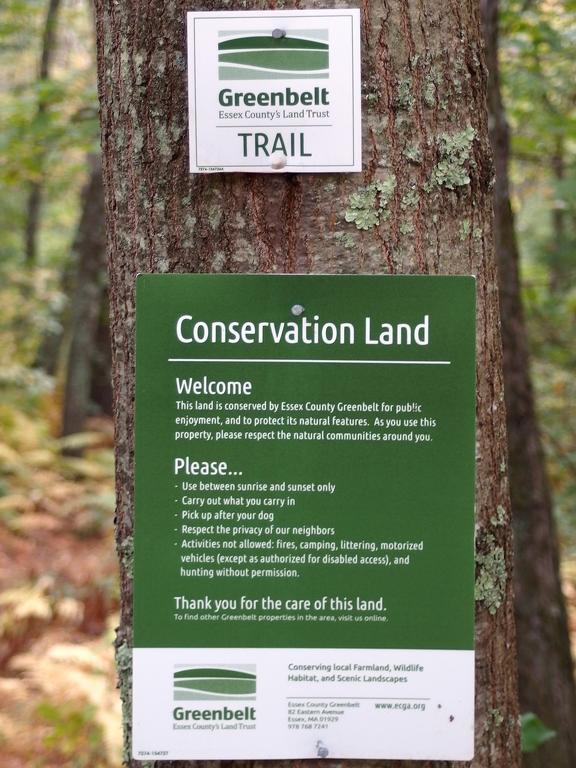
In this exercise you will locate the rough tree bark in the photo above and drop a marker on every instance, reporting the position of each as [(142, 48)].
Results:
[(86, 301), (34, 202), (425, 132), (546, 680)]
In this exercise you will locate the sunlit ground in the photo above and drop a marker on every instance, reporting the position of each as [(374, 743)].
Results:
[(58, 599)]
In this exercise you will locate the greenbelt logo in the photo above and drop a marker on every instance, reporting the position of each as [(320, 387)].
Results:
[(225, 714), (260, 56), (215, 683)]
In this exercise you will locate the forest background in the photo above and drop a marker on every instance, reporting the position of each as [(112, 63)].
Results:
[(58, 566)]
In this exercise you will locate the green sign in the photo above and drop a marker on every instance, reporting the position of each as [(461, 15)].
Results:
[(304, 485)]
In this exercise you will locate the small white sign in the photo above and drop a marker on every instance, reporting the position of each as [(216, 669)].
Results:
[(298, 703), (274, 91)]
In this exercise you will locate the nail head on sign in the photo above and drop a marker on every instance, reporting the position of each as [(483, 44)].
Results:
[(297, 310), (277, 160), (278, 33)]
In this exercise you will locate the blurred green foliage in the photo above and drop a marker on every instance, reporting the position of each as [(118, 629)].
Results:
[(538, 60), (74, 735), (533, 732), (47, 145), (47, 127)]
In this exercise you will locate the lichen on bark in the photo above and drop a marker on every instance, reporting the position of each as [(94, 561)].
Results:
[(492, 575), (452, 170), (368, 206)]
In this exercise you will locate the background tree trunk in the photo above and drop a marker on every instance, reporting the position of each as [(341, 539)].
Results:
[(546, 680), (88, 253), (559, 261), (424, 125), (34, 202), (101, 377), (86, 303)]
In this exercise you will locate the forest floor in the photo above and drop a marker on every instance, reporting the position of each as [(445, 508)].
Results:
[(59, 598)]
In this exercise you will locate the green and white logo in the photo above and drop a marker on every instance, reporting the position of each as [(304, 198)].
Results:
[(257, 55), (215, 683)]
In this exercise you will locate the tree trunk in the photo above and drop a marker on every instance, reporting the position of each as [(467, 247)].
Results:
[(546, 680), (101, 378), (90, 237), (558, 247), (425, 132), (87, 300), (34, 203)]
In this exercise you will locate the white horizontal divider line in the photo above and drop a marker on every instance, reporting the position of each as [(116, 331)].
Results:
[(288, 360)]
